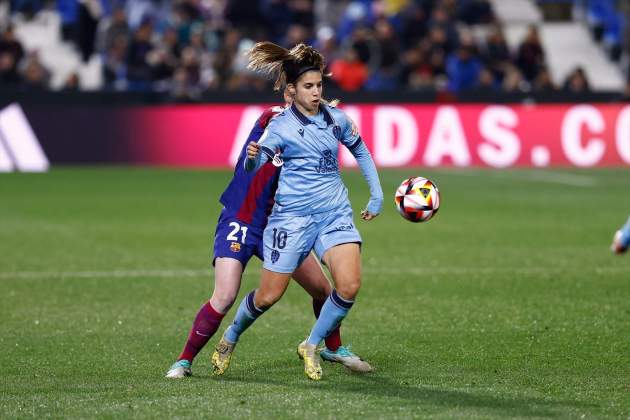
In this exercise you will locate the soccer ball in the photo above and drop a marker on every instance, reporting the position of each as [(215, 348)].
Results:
[(417, 199)]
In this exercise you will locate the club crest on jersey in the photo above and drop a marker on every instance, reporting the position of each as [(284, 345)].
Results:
[(275, 256), (235, 247), (301, 131), (328, 163), (337, 132)]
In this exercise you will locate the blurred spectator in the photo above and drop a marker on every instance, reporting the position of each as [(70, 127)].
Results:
[(384, 72), (385, 78), (179, 88), (530, 57), (72, 83), (475, 11), (356, 15), (463, 68), (11, 52), (576, 81), (414, 25), (9, 44), (442, 29), (626, 36), (302, 13), (363, 41), (387, 43), (138, 69), (170, 43), (223, 59), (90, 12), (8, 70), (186, 16), (543, 81), (487, 80), (139, 11), (28, 8), (326, 43), (187, 47), (296, 34), (69, 12), (115, 65), (349, 72), (437, 62), (4, 15), (34, 74), (514, 81), (163, 65), (496, 54), (113, 28)]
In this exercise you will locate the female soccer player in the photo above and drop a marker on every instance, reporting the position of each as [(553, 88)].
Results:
[(248, 200), (312, 209)]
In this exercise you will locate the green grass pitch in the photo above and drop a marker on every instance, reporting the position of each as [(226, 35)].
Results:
[(507, 304)]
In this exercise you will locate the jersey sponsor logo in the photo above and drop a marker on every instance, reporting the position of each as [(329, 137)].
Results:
[(275, 256), (235, 247), (345, 227), (328, 163)]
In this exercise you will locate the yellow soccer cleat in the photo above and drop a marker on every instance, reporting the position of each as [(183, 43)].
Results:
[(222, 356), (308, 353)]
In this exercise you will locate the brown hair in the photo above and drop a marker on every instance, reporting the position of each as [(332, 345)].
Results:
[(286, 65)]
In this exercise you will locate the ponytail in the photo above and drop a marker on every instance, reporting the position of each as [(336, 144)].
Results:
[(286, 65)]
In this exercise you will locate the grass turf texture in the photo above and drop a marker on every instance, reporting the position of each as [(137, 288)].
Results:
[(507, 304)]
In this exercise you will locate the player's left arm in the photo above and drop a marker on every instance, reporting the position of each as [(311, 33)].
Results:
[(353, 141)]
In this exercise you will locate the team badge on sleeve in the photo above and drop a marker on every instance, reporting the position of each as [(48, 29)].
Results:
[(337, 132), (235, 247)]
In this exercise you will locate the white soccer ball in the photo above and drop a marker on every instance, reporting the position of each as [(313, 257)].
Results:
[(417, 199)]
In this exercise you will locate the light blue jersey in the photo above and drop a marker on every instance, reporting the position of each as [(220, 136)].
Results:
[(310, 182)]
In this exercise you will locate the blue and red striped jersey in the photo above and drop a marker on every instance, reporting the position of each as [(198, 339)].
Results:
[(249, 197)]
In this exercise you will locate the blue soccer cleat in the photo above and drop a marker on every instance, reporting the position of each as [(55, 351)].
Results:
[(180, 369), (344, 356)]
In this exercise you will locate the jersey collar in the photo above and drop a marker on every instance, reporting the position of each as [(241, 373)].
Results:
[(305, 120)]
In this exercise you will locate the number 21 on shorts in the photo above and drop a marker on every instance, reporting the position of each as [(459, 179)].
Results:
[(235, 228)]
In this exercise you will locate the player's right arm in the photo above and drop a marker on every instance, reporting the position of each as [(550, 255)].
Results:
[(258, 153)]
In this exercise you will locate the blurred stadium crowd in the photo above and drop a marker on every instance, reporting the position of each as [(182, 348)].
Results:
[(188, 47)]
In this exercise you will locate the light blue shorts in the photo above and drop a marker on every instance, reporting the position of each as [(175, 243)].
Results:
[(289, 239)]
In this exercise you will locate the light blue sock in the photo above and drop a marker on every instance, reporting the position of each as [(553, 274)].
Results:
[(625, 234), (246, 314), (333, 312)]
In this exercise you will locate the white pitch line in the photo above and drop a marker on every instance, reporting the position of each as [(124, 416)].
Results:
[(487, 270), (563, 178), (553, 177), (178, 273), (102, 274)]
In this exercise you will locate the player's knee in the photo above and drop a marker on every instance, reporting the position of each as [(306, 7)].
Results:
[(349, 289), (265, 299), (222, 302)]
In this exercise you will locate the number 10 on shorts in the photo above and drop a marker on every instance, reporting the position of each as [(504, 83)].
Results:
[(279, 239)]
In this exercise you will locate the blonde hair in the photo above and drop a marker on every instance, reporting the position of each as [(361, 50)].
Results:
[(285, 65)]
